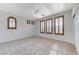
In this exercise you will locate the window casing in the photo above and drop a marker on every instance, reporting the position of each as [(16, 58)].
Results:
[(42, 26), (59, 25), (11, 23), (49, 27)]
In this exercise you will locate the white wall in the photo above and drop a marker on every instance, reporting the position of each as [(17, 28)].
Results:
[(68, 28), (76, 23), (76, 20), (23, 29)]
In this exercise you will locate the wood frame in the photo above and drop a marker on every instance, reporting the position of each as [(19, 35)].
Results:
[(58, 26), (28, 21), (51, 26), (8, 26), (32, 22), (44, 26)]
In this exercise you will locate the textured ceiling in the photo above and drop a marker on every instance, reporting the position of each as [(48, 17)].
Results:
[(34, 10)]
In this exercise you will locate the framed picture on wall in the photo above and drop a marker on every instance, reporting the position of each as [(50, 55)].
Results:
[(42, 26), (28, 21), (32, 22)]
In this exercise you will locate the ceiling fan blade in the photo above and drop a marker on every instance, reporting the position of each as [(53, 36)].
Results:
[(36, 11)]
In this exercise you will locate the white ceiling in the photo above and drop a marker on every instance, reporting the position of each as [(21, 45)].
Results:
[(27, 10)]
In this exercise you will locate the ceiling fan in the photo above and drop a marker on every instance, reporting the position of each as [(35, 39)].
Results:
[(37, 11)]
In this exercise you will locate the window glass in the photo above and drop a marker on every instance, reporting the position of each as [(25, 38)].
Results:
[(11, 23)]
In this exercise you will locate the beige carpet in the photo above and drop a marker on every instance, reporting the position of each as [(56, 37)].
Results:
[(36, 46)]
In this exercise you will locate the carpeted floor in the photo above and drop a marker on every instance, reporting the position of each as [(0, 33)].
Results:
[(36, 46)]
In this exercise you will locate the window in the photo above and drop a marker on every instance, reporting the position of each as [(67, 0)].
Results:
[(42, 26), (49, 24), (11, 22), (59, 25)]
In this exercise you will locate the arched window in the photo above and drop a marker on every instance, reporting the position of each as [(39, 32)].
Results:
[(11, 22)]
